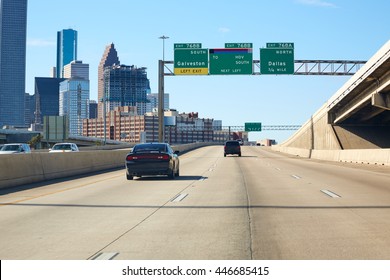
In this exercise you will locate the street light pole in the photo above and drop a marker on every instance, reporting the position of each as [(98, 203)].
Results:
[(163, 37), (161, 101), (161, 93)]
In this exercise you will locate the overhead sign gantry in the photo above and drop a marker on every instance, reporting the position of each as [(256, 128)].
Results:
[(237, 59)]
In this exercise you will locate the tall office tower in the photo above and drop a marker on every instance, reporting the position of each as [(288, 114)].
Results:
[(74, 103), (74, 96), (126, 86), (76, 69), (109, 58), (46, 98), (66, 49), (13, 25)]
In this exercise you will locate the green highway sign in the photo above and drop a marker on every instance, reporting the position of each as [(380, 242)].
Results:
[(239, 45), (188, 46), (190, 59), (280, 45), (277, 58), (252, 126), (231, 61)]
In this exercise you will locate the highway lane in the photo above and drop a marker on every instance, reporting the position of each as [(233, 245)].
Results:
[(263, 205), (305, 209)]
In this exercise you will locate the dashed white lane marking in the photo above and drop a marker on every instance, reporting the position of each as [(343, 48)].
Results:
[(179, 197), (296, 177), (331, 194), (105, 256)]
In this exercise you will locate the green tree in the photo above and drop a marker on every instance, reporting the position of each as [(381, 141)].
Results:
[(35, 141)]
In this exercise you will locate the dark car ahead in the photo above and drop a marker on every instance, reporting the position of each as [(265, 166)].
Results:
[(232, 147), (152, 159)]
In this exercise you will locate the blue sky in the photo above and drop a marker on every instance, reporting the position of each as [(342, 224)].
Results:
[(319, 29)]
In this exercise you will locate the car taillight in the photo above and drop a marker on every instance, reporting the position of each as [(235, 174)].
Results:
[(129, 158), (163, 157), (151, 156)]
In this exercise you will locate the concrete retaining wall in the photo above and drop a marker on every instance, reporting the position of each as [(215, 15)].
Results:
[(316, 133), (20, 169), (364, 156)]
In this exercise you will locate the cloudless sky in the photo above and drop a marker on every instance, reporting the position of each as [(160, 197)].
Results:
[(320, 29)]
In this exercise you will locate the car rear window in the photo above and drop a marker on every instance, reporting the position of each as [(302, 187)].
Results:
[(62, 147), (150, 148), (232, 143), (11, 148)]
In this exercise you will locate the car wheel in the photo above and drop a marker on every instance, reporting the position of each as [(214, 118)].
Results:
[(224, 155), (128, 177), (171, 174), (177, 174), (239, 154)]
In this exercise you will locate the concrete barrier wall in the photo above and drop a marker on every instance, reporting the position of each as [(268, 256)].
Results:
[(20, 169), (371, 156), (364, 156), (304, 153)]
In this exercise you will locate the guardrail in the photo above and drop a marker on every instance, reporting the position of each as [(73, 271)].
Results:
[(21, 169)]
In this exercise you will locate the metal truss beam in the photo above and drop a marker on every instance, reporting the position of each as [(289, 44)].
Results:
[(327, 67), (263, 127), (241, 128), (302, 67)]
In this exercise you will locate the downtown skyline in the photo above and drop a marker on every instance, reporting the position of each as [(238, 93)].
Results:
[(319, 30)]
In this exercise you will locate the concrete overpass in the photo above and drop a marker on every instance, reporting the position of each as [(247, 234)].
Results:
[(356, 117)]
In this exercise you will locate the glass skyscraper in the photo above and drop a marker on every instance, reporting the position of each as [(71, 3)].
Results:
[(74, 96), (66, 49), (13, 25), (46, 97), (74, 103)]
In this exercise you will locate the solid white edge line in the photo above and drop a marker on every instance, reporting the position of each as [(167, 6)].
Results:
[(331, 194)]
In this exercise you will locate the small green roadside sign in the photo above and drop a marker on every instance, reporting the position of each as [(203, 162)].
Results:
[(252, 126)]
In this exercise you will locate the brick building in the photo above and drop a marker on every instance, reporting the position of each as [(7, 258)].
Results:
[(124, 124)]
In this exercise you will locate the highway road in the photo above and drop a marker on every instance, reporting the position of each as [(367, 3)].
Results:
[(263, 205)]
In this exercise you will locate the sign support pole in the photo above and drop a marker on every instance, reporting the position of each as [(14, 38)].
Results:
[(161, 101)]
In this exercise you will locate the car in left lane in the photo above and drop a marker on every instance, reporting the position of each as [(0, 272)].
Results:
[(15, 148), (64, 148), (152, 159)]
